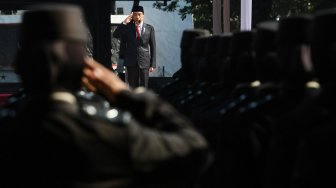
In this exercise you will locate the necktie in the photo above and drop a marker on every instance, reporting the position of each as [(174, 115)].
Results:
[(138, 31)]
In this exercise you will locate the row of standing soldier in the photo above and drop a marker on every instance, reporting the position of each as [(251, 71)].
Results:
[(264, 99)]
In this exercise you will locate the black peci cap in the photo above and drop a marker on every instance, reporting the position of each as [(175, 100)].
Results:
[(190, 34), (265, 37), (53, 39), (138, 9), (295, 30), (242, 41), (323, 40), (52, 22), (324, 27)]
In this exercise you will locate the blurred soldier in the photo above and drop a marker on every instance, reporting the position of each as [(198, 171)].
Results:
[(59, 138), (315, 132)]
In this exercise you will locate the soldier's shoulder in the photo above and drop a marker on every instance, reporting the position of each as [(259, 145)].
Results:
[(97, 107)]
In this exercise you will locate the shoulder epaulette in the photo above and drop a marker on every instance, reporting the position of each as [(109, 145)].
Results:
[(93, 105)]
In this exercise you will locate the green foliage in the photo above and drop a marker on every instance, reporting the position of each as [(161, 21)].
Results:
[(286, 8), (234, 15), (171, 7), (200, 9), (323, 4), (262, 10)]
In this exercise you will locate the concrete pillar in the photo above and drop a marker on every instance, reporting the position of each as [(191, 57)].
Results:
[(226, 15), (216, 13), (246, 15)]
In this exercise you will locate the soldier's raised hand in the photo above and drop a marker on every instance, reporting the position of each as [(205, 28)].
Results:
[(98, 78)]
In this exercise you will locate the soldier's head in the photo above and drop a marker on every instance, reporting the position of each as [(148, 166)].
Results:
[(187, 42), (323, 45), (293, 43), (52, 44), (265, 51), (138, 14)]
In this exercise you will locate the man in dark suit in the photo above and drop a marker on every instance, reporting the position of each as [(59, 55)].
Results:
[(140, 47)]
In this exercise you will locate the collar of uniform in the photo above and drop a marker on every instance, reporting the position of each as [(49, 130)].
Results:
[(64, 97)]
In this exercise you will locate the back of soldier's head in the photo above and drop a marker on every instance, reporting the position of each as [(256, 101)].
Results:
[(242, 62), (198, 55), (323, 45), (52, 48), (222, 55), (187, 40), (293, 48), (224, 45), (293, 32), (209, 64), (264, 40), (188, 37), (265, 51)]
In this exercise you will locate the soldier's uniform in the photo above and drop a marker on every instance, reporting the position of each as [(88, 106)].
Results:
[(69, 140)]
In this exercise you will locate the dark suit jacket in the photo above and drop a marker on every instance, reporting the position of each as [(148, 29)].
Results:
[(141, 52)]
